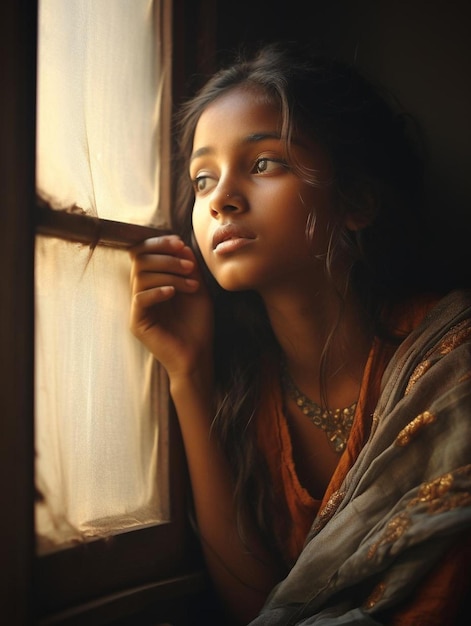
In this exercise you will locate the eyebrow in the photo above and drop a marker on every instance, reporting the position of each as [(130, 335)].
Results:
[(252, 138)]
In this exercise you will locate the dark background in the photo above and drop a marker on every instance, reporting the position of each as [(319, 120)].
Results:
[(418, 49)]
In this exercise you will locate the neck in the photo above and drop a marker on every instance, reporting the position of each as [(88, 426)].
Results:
[(325, 343)]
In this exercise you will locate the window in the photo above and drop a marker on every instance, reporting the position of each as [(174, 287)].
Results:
[(110, 521), (102, 133), (154, 572)]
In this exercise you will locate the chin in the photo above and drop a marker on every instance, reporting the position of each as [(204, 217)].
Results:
[(234, 287), (238, 276), (234, 283)]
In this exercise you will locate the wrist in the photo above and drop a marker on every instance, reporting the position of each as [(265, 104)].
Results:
[(197, 381)]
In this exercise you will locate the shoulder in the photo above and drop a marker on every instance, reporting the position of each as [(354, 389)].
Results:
[(454, 306), (434, 328), (426, 386)]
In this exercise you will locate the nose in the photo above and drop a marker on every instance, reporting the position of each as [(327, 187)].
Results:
[(224, 201)]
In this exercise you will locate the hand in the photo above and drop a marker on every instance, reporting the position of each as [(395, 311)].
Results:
[(171, 311)]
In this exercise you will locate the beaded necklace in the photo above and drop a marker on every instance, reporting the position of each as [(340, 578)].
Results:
[(336, 423)]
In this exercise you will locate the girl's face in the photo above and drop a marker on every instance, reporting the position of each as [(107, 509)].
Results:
[(251, 207)]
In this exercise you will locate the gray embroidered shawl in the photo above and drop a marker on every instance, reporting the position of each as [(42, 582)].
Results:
[(407, 495)]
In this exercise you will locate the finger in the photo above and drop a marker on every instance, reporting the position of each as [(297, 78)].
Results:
[(165, 244), (146, 281), (163, 263), (151, 297), (158, 270)]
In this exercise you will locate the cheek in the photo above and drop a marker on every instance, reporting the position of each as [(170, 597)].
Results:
[(197, 225), (200, 232)]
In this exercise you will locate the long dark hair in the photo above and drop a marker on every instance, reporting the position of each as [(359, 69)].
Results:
[(377, 175)]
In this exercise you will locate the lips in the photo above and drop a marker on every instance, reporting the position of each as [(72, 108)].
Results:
[(230, 232)]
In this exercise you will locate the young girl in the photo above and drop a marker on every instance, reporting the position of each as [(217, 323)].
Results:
[(324, 407)]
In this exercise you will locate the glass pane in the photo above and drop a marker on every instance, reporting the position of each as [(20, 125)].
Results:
[(101, 453), (102, 97), (101, 400)]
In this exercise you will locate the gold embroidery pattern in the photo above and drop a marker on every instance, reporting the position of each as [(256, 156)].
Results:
[(375, 596), (394, 530), (440, 498), (433, 490), (453, 501), (374, 421), (411, 430), (437, 493), (328, 511), (455, 337), (417, 373)]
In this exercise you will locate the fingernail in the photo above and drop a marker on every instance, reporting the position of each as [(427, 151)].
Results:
[(186, 264), (191, 282)]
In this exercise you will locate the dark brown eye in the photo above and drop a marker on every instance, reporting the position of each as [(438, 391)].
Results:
[(265, 165), (261, 165), (200, 183)]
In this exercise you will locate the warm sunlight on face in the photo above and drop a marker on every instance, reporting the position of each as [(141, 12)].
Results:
[(251, 207)]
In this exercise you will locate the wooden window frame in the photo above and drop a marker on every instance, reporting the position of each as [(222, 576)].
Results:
[(17, 145)]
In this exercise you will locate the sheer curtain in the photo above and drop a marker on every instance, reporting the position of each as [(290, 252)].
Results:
[(101, 460)]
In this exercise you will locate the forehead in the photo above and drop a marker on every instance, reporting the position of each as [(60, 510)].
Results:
[(240, 111)]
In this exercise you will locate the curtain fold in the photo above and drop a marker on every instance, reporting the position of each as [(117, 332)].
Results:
[(100, 419), (100, 69)]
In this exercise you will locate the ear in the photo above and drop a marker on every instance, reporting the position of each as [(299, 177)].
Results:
[(362, 214)]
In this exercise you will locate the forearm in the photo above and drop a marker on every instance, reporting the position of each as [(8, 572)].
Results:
[(172, 315), (242, 572)]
